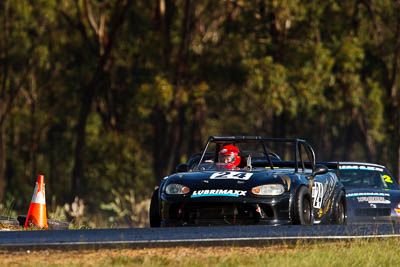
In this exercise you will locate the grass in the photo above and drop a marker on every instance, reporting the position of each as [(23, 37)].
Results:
[(372, 252)]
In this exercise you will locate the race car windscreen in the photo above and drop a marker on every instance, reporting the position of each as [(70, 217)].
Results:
[(211, 160), (358, 177), (252, 155)]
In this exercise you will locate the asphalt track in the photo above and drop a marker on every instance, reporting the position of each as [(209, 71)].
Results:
[(189, 236)]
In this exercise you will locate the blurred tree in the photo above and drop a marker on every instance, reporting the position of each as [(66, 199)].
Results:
[(100, 24), (113, 94)]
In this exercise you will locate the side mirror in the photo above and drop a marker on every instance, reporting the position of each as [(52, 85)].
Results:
[(319, 169), (183, 167)]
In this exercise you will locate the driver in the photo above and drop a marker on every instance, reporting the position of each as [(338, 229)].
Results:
[(229, 155)]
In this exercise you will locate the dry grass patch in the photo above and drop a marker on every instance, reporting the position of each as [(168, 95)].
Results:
[(118, 257), (375, 252)]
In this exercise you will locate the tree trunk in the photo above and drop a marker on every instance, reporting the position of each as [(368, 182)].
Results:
[(397, 170), (177, 140), (86, 105), (366, 142), (347, 137), (197, 131), (160, 125), (3, 105), (170, 144), (3, 161), (106, 44)]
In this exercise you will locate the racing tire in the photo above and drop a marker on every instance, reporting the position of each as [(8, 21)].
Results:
[(339, 210), (154, 214), (302, 207)]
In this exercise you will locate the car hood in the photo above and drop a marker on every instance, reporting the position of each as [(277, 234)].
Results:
[(229, 179)]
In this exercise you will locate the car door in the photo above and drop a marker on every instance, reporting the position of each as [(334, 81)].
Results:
[(323, 186)]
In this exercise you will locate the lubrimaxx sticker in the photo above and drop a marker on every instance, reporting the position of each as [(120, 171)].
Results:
[(358, 167), (231, 175), (218, 193), (368, 194)]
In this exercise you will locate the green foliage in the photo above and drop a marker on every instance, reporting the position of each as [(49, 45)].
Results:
[(157, 94), (7, 208), (126, 210)]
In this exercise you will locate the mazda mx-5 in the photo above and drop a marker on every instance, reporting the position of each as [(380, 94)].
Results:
[(240, 180)]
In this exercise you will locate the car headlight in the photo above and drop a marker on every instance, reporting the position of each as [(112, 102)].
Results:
[(268, 190), (176, 189)]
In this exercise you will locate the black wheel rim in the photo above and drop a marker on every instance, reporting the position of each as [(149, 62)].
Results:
[(306, 211), (340, 215)]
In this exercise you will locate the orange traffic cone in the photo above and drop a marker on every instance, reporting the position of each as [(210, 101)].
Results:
[(37, 209)]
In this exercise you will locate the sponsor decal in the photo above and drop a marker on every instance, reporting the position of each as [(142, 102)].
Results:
[(317, 194), (218, 193), (231, 175), (327, 206), (374, 200), (371, 198), (357, 167), (368, 194), (322, 212)]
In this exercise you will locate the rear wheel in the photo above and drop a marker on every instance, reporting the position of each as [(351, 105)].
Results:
[(154, 214), (302, 207), (339, 210)]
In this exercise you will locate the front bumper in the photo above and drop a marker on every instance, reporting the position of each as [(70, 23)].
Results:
[(183, 210), (362, 215)]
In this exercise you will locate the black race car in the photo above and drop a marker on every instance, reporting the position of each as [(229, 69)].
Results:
[(372, 194), (238, 180)]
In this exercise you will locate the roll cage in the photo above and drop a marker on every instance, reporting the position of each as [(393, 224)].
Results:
[(299, 146)]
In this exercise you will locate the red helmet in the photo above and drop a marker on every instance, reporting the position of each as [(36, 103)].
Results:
[(229, 154)]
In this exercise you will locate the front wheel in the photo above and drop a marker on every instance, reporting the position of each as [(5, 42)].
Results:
[(154, 213), (302, 207)]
